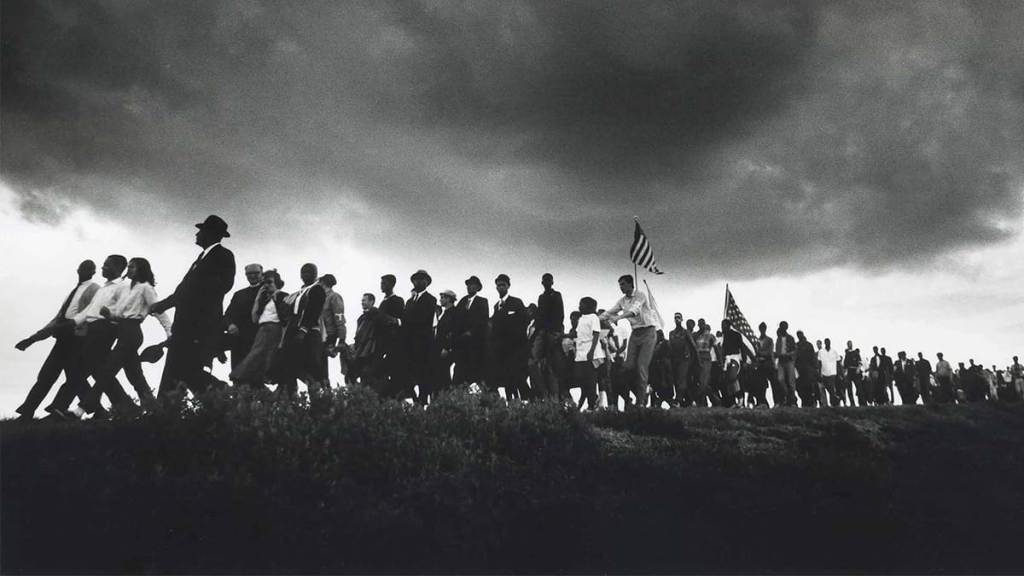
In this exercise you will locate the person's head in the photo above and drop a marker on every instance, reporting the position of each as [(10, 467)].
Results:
[(818, 344), (883, 350), (626, 284), (588, 305), (113, 266), (971, 360), (368, 300), (678, 319), (420, 280), (849, 344), (211, 231), (272, 280), (501, 284), (447, 298), (783, 327), (726, 325), (308, 273), (690, 324), (901, 355), (828, 344), (547, 280), (920, 355), (660, 335), (701, 324), (574, 318), (253, 274), (387, 283), (1015, 359), (86, 270), (473, 285), (531, 311), (140, 271), (874, 349), (961, 365), (763, 328), (939, 355), (328, 281), (800, 335)]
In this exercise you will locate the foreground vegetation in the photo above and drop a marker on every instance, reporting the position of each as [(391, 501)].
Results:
[(350, 483)]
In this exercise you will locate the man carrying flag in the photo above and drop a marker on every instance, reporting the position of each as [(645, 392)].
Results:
[(635, 307), (737, 347)]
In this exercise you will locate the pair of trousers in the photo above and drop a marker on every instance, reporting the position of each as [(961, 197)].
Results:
[(682, 374), (60, 359), (96, 344), (509, 371), (585, 375), (124, 356), (787, 383), (546, 363), (829, 382), (703, 387), (807, 385), (183, 367), (639, 352)]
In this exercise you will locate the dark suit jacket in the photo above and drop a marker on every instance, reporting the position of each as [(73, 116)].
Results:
[(508, 325), (446, 330), (387, 335), (311, 306), (472, 320), (199, 298), (239, 313), (418, 326)]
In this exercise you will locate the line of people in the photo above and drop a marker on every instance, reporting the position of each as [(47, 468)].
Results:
[(418, 347)]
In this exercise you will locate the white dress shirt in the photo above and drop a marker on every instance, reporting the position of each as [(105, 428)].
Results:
[(76, 299), (107, 295), (135, 303)]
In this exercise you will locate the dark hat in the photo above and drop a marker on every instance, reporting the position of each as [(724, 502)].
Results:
[(420, 273), (216, 225), (503, 278), (474, 280)]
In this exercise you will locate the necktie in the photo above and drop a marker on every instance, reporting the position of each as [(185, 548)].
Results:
[(67, 302)]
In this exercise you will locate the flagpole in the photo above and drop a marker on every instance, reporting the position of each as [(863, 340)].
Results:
[(725, 306), (636, 274)]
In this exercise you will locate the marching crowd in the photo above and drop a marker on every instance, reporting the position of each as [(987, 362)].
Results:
[(416, 347)]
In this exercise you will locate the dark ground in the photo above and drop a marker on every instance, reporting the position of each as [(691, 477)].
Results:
[(351, 484)]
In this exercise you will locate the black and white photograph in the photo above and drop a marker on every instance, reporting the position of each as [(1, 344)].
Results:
[(512, 286)]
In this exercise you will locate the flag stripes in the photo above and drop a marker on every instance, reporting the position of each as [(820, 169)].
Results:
[(641, 252), (739, 322)]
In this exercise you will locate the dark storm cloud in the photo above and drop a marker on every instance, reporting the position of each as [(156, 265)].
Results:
[(751, 137)]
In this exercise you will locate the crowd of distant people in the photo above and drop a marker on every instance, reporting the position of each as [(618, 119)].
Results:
[(418, 347)]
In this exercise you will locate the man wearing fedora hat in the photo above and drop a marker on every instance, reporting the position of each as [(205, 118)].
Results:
[(199, 307), (418, 336), (470, 329)]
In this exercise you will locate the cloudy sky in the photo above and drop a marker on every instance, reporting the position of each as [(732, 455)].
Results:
[(856, 168)]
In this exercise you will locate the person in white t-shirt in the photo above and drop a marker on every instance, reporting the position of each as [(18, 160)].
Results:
[(828, 367), (589, 353)]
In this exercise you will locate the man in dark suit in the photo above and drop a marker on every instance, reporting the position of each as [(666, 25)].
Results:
[(392, 308), (238, 320), (199, 304), (885, 392), (67, 340), (510, 352), (923, 368), (303, 344), (903, 373), (444, 343), (470, 329), (418, 336)]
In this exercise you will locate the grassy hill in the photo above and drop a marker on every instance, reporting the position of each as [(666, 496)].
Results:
[(353, 484)]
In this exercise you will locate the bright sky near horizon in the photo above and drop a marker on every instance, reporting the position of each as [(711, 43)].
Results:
[(854, 168)]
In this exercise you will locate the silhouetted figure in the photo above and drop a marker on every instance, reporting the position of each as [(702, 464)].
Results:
[(199, 308)]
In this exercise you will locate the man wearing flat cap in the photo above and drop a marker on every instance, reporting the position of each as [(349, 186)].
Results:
[(238, 322), (510, 351), (470, 329), (199, 308), (444, 338), (389, 345), (418, 336)]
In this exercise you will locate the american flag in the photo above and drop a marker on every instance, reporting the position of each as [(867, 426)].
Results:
[(739, 322), (641, 252)]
